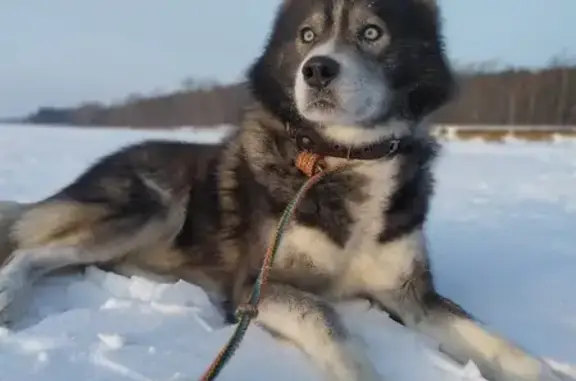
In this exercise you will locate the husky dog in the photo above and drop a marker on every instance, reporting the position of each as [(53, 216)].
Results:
[(351, 80)]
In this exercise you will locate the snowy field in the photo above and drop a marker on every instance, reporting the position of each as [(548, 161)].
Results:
[(502, 238)]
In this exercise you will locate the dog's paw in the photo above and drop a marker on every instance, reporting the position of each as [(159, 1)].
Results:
[(354, 365), (551, 374), (519, 366), (12, 283)]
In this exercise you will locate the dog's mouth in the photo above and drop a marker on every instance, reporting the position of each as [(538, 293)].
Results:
[(324, 102), (350, 107)]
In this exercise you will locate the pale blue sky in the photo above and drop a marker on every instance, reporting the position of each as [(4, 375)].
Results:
[(60, 52)]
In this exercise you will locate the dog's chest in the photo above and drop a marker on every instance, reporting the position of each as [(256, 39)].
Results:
[(314, 251)]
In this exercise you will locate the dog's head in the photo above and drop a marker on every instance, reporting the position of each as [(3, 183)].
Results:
[(352, 66)]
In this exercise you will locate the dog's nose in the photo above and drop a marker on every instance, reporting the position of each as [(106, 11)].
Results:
[(319, 71)]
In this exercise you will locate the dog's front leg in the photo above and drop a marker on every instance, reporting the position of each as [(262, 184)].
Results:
[(313, 325), (420, 307)]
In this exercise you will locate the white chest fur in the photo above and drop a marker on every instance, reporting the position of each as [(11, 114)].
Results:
[(363, 262)]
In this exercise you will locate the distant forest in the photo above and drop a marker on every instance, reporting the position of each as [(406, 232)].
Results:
[(486, 95)]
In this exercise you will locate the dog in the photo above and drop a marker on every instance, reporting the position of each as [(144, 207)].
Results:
[(354, 82)]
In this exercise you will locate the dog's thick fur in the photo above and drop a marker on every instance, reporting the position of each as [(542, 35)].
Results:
[(206, 213)]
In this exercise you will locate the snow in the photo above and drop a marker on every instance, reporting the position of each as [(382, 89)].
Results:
[(502, 242)]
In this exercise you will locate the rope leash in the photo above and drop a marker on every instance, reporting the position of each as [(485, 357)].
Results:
[(315, 168)]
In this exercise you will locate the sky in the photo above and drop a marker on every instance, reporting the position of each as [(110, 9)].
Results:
[(63, 52)]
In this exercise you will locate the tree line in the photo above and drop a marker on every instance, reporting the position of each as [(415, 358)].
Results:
[(485, 96)]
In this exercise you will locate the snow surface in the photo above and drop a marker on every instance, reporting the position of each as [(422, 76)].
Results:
[(502, 240)]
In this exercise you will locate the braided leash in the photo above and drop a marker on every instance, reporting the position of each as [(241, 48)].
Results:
[(315, 168)]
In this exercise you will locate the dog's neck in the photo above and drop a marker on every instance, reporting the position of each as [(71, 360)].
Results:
[(353, 143)]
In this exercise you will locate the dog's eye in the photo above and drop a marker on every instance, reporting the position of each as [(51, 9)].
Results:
[(307, 35), (372, 33)]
